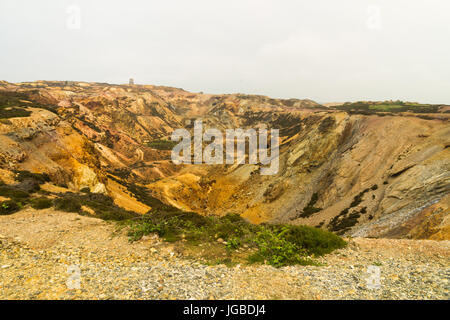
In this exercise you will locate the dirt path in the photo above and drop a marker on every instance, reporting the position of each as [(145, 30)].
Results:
[(45, 255)]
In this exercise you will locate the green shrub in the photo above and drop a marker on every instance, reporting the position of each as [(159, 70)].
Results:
[(13, 193), (276, 250), (310, 209), (43, 192), (105, 208), (85, 190), (315, 241), (103, 205), (326, 124), (5, 121), (359, 197), (23, 175), (161, 144), (343, 222), (142, 195), (41, 203), (29, 186), (277, 245), (370, 107), (67, 204), (9, 207), (30, 182), (13, 113)]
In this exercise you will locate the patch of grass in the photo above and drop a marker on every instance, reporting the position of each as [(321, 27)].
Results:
[(41, 203), (23, 175), (10, 105), (105, 208), (85, 190), (103, 205), (326, 124), (14, 112), (226, 261), (162, 144), (276, 250), (13, 193), (371, 107), (68, 204), (277, 245), (282, 245), (386, 107), (30, 182), (5, 121), (9, 207), (142, 195)]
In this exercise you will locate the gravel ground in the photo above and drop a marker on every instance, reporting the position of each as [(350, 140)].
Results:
[(53, 255)]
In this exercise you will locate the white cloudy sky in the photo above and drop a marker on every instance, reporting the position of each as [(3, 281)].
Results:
[(326, 50)]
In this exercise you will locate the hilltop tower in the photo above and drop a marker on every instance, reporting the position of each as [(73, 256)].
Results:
[(131, 82)]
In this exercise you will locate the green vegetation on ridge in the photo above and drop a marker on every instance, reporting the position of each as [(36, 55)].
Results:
[(278, 245), (369, 107)]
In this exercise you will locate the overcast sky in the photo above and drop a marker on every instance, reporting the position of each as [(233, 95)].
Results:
[(325, 50)]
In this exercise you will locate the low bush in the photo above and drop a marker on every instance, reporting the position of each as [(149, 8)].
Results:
[(13, 113), (23, 175), (359, 198), (5, 121), (276, 250), (277, 245), (310, 209), (13, 193), (9, 207), (41, 203), (142, 195), (161, 144), (29, 186), (85, 190), (103, 205), (373, 107), (105, 208), (282, 245), (343, 222), (67, 204)]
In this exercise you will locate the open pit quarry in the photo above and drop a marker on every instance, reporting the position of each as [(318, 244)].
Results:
[(360, 170)]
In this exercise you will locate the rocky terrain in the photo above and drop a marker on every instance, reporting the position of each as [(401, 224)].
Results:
[(362, 169), (41, 251), (377, 173)]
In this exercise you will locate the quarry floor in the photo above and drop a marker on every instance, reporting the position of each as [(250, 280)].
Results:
[(48, 254)]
